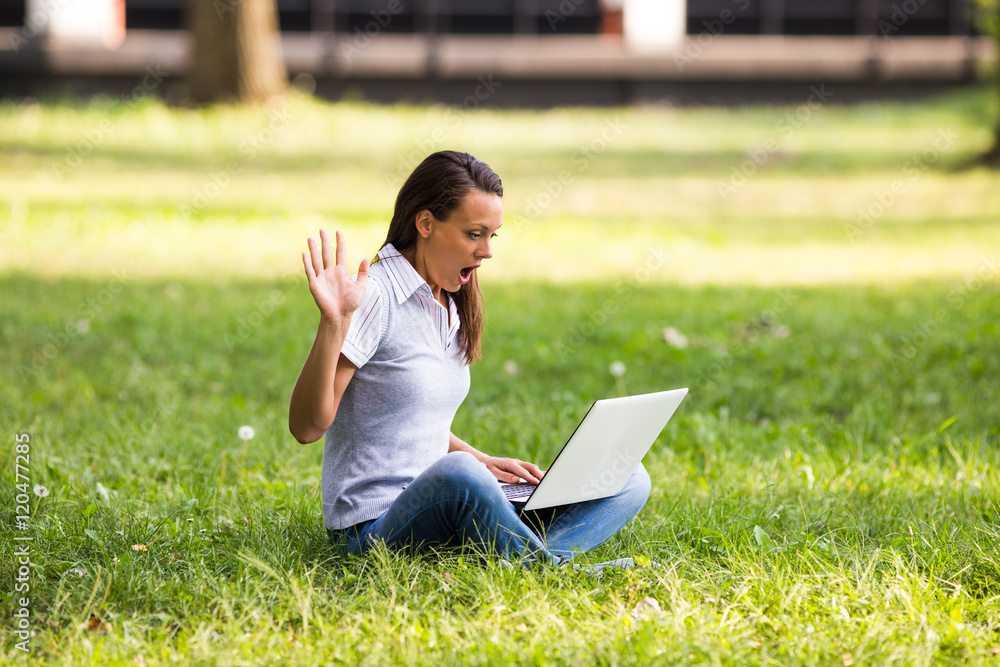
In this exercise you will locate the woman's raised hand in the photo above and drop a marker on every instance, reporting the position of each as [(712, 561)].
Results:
[(336, 295)]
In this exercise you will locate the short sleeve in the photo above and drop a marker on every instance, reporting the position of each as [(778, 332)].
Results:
[(365, 330)]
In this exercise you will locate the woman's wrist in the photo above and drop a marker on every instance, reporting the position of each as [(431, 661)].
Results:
[(334, 322), (335, 328), (480, 456)]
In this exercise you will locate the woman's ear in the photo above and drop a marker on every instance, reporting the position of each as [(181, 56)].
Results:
[(424, 222)]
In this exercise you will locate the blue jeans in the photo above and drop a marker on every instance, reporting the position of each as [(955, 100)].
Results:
[(457, 501)]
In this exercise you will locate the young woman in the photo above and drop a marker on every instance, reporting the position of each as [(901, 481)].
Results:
[(389, 369)]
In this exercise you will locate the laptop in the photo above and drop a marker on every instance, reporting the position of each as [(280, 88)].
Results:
[(602, 453)]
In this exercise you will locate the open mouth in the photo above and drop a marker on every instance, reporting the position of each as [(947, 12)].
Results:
[(466, 273)]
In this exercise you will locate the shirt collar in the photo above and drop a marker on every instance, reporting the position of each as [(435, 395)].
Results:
[(405, 281), (404, 278)]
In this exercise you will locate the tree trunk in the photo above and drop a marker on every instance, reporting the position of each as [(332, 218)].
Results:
[(236, 55)]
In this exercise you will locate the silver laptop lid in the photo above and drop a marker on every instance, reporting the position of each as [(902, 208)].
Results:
[(606, 447)]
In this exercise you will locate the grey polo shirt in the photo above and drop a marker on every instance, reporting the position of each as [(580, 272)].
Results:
[(395, 416)]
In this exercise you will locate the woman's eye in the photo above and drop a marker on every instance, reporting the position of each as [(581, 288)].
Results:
[(474, 236)]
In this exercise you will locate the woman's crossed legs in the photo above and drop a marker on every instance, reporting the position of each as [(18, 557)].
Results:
[(458, 501)]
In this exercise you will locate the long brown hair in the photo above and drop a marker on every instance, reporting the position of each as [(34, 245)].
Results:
[(439, 184)]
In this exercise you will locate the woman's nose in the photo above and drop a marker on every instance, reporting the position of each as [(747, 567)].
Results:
[(486, 250)]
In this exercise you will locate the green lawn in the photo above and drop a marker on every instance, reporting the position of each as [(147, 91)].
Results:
[(828, 493)]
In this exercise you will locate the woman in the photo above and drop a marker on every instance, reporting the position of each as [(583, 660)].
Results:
[(389, 369)]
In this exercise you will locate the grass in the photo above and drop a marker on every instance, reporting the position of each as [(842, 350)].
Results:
[(827, 494)]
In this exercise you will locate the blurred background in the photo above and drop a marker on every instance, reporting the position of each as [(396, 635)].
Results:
[(545, 52), (782, 204)]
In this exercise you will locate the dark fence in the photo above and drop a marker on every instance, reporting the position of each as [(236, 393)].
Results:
[(549, 17)]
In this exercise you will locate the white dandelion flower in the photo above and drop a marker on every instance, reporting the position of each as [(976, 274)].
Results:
[(246, 432), (510, 366), (41, 491), (675, 338), (617, 369)]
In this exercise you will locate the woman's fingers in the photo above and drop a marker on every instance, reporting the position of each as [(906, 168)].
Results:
[(308, 267), (525, 471), (327, 255), (499, 468), (533, 469), (341, 249), (517, 470), (509, 476), (334, 291), (314, 255)]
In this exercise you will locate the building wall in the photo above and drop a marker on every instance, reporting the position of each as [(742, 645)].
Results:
[(548, 17)]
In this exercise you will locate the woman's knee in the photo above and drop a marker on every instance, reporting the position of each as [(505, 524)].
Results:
[(462, 469), (461, 488), (639, 485)]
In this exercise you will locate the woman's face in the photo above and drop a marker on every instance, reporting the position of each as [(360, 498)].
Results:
[(456, 247)]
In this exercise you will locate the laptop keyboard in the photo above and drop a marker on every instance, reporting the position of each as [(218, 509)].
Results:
[(517, 491)]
